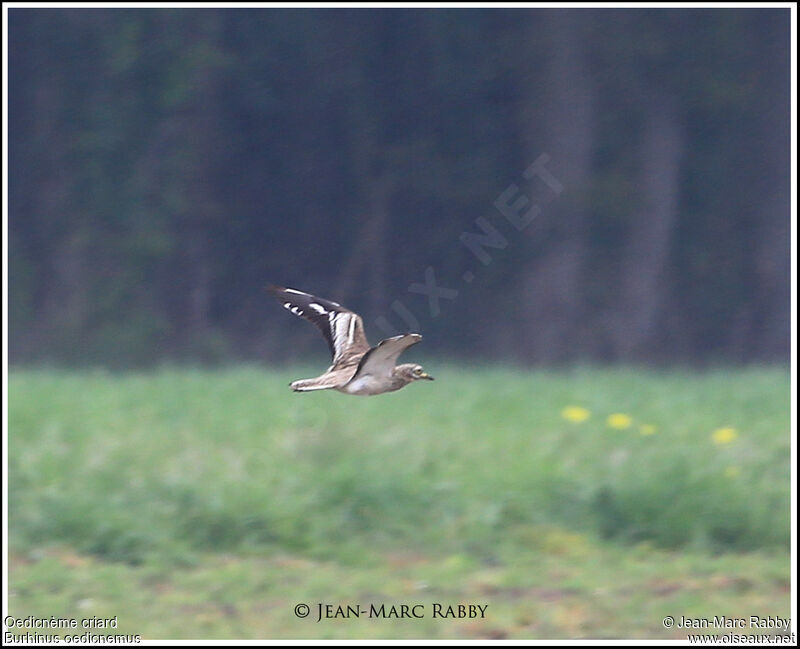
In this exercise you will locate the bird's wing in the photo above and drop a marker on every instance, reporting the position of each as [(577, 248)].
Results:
[(381, 359), (342, 329)]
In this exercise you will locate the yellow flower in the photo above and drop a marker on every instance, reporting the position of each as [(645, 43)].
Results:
[(619, 420), (732, 472), (575, 414), (724, 435), (647, 429)]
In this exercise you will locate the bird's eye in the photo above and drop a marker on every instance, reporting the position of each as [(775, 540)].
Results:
[(418, 370)]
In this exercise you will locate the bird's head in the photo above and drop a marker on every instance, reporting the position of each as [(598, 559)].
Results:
[(412, 372)]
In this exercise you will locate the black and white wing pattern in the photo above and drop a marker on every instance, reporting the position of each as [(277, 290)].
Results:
[(381, 359), (342, 329)]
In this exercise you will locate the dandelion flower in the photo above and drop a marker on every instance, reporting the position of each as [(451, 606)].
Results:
[(647, 429), (619, 421), (732, 472), (575, 414), (724, 435)]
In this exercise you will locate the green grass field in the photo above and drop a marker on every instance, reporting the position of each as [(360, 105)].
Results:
[(206, 504)]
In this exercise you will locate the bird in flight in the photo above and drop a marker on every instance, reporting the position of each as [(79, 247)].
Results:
[(356, 367)]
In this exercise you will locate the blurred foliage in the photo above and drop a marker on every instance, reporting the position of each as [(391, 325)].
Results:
[(167, 163)]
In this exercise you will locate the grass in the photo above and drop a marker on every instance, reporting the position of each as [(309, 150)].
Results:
[(225, 499)]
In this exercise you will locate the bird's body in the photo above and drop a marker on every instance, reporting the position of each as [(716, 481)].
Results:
[(356, 367)]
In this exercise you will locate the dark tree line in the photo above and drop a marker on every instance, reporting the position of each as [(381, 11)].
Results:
[(166, 164)]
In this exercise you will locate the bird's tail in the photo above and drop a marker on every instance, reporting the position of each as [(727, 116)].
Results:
[(309, 385)]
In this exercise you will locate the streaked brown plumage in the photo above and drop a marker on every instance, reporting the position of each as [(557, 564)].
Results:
[(356, 368)]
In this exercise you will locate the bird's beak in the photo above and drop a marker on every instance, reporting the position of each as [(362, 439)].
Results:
[(425, 375)]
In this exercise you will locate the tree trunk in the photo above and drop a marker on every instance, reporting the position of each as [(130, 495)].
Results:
[(369, 252), (552, 283), (772, 336), (204, 125), (64, 293), (644, 282)]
